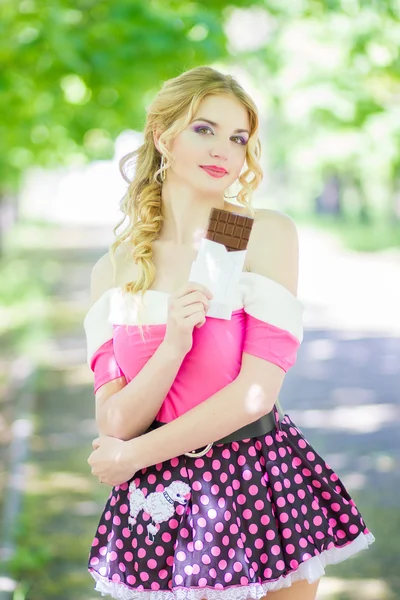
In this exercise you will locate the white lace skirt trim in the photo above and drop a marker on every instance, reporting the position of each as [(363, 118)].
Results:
[(311, 569)]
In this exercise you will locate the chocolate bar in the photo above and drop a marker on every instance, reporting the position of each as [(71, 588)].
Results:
[(230, 229)]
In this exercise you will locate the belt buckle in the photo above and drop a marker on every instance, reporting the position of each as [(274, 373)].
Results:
[(198, 454)]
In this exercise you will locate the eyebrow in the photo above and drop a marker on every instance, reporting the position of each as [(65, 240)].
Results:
[(216, 125)]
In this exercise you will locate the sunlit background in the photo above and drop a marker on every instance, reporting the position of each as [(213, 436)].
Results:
[(75, 80)]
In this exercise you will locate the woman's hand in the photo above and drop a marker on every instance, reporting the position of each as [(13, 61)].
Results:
[(186, 309), (111, 460)]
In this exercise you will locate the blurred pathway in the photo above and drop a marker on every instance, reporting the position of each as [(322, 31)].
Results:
[(343, 393)]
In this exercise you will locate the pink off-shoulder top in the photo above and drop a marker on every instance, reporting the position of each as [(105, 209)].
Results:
[(266, 322)]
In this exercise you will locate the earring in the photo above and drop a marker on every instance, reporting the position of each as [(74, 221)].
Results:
[(163, 167)]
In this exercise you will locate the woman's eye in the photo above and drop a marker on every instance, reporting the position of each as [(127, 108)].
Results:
[(203, 128), (241, 140)]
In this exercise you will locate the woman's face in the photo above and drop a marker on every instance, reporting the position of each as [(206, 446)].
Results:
[(216, 137)]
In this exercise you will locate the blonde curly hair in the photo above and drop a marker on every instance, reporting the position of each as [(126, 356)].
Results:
[(171, 112)]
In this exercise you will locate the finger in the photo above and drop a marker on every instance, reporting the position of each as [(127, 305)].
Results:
[(192, 286), (188, 311), (192, 298)]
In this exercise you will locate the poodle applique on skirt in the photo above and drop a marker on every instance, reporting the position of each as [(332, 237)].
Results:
[(247, 518)]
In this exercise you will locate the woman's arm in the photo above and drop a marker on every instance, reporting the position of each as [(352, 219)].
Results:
[(126, 410), (129, 412), (275, 254)]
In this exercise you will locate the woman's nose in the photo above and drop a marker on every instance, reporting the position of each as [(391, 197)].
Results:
[(219, 150)]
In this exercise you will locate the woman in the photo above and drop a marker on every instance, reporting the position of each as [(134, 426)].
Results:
[(226, 499)]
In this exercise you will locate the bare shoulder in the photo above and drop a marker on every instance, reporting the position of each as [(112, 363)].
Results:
[(101, 277), (104, 275), (274, 248)]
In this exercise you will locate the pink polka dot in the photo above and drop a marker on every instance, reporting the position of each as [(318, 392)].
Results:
[(265, 520), (268, 573), (198, 545), (253, 528), (152, 564), (253, 490), (228, 577), (215, 551), (294, 564), (212, 513), (280, 565), (247, 514), (207, 476), (344, 518), (205, 559), (181, 556), (144, 576), (237, 566), (270, 535), (290, 549), (317, 520), (116, 520), (159, 550), (103, 550), (259, 504), (208, 536), (163, 574), (95, 542), (131, 579), (141, 553), (178, 579), (275, 550), (119, 543), (247, 475), (275, 470), (102, 529), (94, 561), (353, 529), (188, 569), (214, 489), (196, 486), (278, 486), (218, 527), (335, 506), (204, 499), (286, 533), (284, 517)]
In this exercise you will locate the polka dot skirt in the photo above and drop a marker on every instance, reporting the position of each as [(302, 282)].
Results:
[(258, 514)]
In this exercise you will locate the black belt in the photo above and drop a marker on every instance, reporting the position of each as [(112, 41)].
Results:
[(262, 426)]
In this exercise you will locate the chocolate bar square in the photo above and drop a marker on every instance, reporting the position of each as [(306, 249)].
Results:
[(230, 229)]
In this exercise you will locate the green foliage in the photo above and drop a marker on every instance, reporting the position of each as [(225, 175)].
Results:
[(73, 75)]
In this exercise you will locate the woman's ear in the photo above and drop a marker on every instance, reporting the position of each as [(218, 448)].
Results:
[(156, 136)]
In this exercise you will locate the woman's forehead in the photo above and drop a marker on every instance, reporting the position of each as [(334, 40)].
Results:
[(225, 110)]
